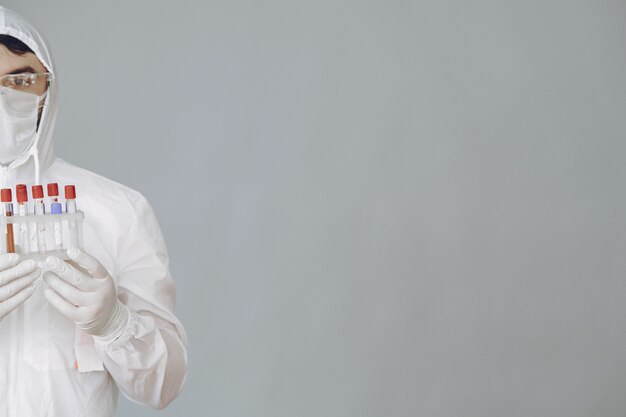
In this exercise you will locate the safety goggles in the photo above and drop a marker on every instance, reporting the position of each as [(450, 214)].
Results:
[(17, 90)]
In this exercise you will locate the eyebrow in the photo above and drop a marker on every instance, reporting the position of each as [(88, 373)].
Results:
[(23, 70)]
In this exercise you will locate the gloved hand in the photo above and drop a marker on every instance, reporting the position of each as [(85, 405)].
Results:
[(15, 281), (82, 290)]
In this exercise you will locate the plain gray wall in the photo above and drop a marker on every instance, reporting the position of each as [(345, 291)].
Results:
[(401, 208)]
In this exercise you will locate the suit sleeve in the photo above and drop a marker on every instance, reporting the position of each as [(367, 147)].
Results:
[(149, 360)]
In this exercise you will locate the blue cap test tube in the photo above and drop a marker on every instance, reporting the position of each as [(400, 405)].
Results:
[(57, 208)]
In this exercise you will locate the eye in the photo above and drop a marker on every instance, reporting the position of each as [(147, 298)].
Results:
[(23, 80)]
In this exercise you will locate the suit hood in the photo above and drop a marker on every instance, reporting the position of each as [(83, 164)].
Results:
[(40, 155)]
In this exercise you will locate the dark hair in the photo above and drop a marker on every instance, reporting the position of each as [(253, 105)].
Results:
[(14, 45)]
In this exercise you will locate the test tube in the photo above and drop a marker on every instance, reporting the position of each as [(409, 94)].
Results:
[(57, 208), (70, 207), (53, 193), (7, 208), (22, 210), (40, 210)]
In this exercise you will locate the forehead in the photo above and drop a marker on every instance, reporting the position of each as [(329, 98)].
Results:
[(10, 62)]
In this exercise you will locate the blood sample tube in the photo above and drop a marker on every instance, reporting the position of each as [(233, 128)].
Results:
[(7, 208), (22, 210), (70, 207), (57, 208), (40, 210), (53, 194)]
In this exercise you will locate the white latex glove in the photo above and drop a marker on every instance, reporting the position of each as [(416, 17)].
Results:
[(16, 281), (83, 291)]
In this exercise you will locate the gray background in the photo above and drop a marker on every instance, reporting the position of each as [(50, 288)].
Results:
[(401, 208)]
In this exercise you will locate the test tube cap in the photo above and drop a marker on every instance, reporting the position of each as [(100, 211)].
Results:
[(37, 191), (70, 192), (57, 208), (53, 189), (22, 193), (5, 195)]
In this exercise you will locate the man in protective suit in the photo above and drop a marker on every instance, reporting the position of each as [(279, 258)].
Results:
[(73, 332)]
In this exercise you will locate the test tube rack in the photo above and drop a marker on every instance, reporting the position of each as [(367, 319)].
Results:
[(70, 226)]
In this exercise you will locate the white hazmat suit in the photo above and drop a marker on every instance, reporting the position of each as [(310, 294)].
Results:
[(48, 366)]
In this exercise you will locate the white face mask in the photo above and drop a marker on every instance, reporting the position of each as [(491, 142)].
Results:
[(18, 122)]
